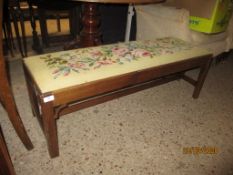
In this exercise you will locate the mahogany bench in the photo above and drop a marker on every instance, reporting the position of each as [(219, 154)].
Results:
[(63, 82)]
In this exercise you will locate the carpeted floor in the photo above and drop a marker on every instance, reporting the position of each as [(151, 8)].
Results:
[(143, 133)]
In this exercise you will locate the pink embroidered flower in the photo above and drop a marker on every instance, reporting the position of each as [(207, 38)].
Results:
[(103, 62), (165, 51), (141, 53), (66, 73), (120, 51), (55, 71), (76, 65), (96, 53), (106, 62)]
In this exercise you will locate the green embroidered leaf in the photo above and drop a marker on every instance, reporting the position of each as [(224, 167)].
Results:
[(87, 59), (76, 70), (50, 63), (66, 54), (91, 64), (63, 62)]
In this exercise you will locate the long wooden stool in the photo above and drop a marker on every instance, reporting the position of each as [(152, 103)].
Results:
[(63, 82)]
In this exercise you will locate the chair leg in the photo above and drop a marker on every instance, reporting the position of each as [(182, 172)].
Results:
[(8, 39), (43, 27), (9, 36), (74, 21), (5, 160), (36, 42), (20, 16), (14, 17), (58, 18), (1, 100), (23, 34), (201, 78), (50, 127), (71, 22), (13, 114)]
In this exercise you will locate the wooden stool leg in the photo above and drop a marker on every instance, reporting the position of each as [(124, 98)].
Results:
[(31, 92), (201, 78), (13, 114), (50, 127), (32, 97)]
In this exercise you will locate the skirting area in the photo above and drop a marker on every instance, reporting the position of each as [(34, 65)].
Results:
[(143, 133)]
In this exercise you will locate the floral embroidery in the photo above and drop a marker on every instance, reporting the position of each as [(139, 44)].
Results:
[(95, 57)]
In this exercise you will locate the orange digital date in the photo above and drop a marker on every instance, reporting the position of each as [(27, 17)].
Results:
[(200, 150)]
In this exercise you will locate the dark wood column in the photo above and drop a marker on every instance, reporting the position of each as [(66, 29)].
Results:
[(90, 34)]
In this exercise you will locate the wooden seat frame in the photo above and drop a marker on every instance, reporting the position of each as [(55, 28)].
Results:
[(48, 107)]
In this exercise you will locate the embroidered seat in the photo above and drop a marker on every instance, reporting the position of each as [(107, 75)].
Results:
[(68, 68), (63, 82)]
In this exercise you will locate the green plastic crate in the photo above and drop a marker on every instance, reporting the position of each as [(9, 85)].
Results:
[(218, 22)]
